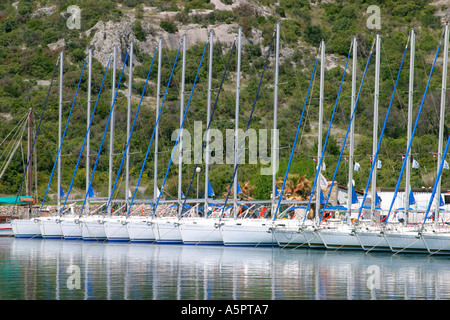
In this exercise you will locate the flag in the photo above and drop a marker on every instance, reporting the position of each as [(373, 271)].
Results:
[(91, 191), (445, 164), (379, 164), (357, 166), (415, 164), (403, 157), (346, 159), (314, 159), (61, 191), (210, 190), (412, 200), (434, 156), (182, 194), (238, 188), (276, 192), (441, 201), (370, 159)]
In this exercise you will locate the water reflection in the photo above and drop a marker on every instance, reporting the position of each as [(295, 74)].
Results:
[(38, 269)]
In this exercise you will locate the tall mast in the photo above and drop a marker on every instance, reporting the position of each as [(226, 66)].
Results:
[(409, 128), (29, 169), (111, 139), (127, 168), (441, 119), (352, 133), (61, 68), (375, 124), (88, 119), (208, 119), (319, 133), (236, 119), (180, 142), (158, 96), (275, 111)]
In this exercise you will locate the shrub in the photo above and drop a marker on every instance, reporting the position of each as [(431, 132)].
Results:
[(168, 26)]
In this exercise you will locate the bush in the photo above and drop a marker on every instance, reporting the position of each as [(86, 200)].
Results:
[(168, 26), (139, 31)]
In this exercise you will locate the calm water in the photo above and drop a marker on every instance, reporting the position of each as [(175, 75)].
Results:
[(52, 269)]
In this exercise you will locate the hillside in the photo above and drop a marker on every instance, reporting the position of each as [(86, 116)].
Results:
[(33, 32)]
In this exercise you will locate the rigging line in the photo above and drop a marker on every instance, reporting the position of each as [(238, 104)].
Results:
[(181, 127), (295, 140), (209, 124), (131, 132), (412, 137), (17, 144), (18, 134), (307, 109), (154, 130), (104, 133), (374, 160), (248, 125), (37, 131), (319, 163), (63, 136), (85, 136), (433, 193), (19, 124)]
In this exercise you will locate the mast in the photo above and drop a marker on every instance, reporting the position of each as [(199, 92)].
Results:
[(441, 120), (158, 96), (29, 170), (127, 165), (208, 119), (88, 119), (180, 142), (61, 68), (409, 128), (111, 139), (236, 119), (375, 125), (352, 133), (275, 111), (319, 133)]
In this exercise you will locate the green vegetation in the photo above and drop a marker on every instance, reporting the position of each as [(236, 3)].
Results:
[(27, 64)]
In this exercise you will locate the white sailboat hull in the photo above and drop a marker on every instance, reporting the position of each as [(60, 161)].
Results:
[(93, 230), (141, 230), (313, 239), (50, 228), (252, 232), (372, 241), (71, 229), (200, 232), (26, 228), (438, 243), (288, 234), (405, 242), (6, 230), (166, 231), (116, 230), (340, 238)]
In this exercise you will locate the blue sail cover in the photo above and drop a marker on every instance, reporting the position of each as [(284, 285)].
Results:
[(412, 200), (354, 195)]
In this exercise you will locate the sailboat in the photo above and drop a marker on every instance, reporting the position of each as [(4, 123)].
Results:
[(250, 232), (115, 226), (204, 230), (30, 228), (408, 239)]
